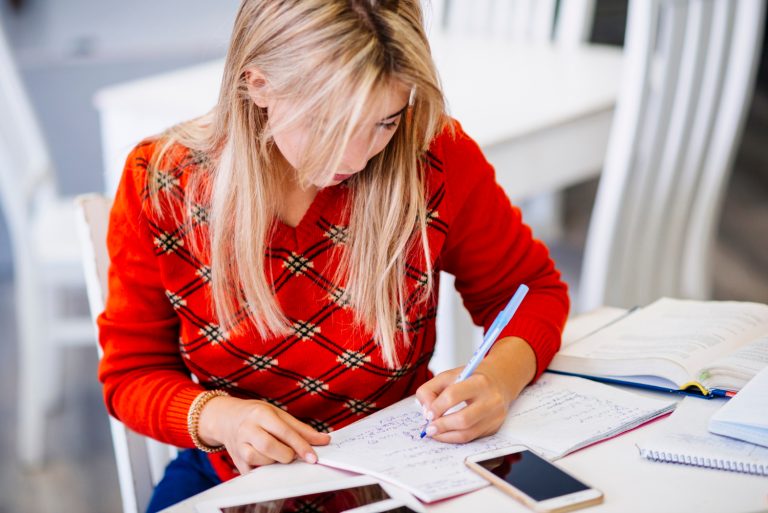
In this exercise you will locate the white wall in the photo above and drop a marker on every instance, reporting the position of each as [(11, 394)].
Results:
[(58, 29), (66, 50)]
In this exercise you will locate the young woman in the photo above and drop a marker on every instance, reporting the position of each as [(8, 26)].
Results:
[(274, 263)]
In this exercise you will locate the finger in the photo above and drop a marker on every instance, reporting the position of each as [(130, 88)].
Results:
[(483, 416), (290, 433), (249, 457), (310, 434), (463, 420), (240, 464), (427, 392), (460, 437), (471, 428), (268, 443), (452, 395)]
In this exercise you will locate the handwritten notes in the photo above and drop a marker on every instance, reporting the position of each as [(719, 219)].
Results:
[(561, 414), (387, 445), (557, 415)]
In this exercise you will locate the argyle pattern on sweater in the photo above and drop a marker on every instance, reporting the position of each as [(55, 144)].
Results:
[(347, 372)]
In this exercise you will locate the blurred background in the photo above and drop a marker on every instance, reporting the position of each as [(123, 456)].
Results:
[(68, 51)]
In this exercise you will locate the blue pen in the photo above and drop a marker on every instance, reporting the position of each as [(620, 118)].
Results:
[(499, 324)]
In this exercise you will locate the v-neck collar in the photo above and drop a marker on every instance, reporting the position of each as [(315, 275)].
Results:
[(307, 224)]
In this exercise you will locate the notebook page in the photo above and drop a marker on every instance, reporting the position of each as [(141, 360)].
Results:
[(387, 445), (556, 415), (561, 414)]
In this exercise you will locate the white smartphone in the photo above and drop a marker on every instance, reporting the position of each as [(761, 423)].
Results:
[(537, 483)]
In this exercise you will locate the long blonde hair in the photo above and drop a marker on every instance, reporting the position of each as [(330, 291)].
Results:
[(329, 57)]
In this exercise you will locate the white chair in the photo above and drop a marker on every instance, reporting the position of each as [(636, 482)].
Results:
[(689, 75), (141, 461), (539, 21), (46, 260), (532, 21)]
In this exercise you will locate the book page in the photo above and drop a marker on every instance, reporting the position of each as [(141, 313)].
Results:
[(741, 365), (556, 415), (689, 333), (587, 323)]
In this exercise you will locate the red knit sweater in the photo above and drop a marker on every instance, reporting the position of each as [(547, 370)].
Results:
[(158, 327)]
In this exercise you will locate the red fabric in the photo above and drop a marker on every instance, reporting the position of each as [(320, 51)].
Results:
[(158, 326)]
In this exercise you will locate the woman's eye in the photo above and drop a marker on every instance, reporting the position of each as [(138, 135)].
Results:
[(388, 126)]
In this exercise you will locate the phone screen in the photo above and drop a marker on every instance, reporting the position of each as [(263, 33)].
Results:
[(532, 475)]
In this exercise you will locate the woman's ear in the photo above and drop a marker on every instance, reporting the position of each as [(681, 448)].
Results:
[(258, 87)]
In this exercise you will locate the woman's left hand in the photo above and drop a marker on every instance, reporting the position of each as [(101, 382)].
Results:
[(488, 393)]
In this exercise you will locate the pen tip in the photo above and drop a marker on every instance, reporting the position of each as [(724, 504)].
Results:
[(423, 434)]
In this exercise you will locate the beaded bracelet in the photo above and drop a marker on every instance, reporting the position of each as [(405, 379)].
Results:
[(193, 418)]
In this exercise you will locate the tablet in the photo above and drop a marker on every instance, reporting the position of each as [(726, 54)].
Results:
[(359, 494)]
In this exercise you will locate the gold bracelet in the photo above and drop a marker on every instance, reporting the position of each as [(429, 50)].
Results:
[(193, 418)]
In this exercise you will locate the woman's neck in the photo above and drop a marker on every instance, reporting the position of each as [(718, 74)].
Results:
[(295, 201)]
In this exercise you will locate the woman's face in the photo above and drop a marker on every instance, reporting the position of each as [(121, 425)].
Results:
[(377, 126)]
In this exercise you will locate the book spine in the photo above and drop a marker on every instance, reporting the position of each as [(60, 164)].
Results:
[(700, 461)]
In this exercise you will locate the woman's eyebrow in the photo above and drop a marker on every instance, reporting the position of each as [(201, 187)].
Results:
[(396, 113)]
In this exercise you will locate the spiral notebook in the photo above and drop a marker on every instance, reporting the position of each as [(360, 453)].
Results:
[(685, 440)]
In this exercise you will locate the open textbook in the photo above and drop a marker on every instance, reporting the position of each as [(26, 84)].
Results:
[(554, 416), (710, 348)]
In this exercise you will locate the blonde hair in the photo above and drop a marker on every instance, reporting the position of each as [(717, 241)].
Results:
[(329, 58)]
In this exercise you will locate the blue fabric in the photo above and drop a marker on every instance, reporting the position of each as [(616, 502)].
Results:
[(189, 474)]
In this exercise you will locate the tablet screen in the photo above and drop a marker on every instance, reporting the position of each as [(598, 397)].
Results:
[(335, 501)]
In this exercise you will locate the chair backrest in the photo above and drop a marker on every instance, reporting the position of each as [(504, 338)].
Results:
[(141, 461), (25, 169), (689, 74), (566, 22)]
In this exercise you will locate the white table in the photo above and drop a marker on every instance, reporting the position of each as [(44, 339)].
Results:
[(629, 482), (542, 114)]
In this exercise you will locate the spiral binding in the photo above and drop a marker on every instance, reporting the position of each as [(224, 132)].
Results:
[(686, 459)]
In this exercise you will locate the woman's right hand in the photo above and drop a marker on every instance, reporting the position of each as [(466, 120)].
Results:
[(257, 433)]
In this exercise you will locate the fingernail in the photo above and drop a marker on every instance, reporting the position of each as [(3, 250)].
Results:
[(431, 431), (430, 415), (418, 403), (310, 458)]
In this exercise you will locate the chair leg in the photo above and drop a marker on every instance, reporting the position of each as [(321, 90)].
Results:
[(31, 336), (50, 357), (447, 307), (457, 336)]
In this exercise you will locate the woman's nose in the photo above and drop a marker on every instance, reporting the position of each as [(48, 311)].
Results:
[(356, 155)]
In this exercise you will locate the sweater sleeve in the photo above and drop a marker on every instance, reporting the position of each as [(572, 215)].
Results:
[(146, 384), (491, 252)]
